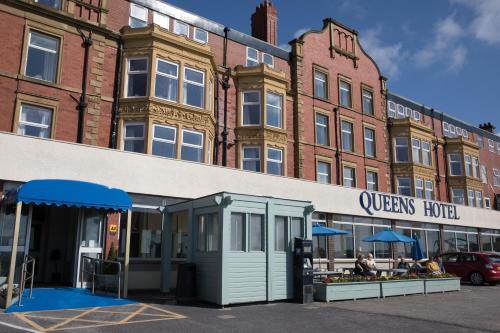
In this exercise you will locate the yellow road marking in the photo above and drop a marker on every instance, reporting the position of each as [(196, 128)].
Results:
[(111, 324), (165, 311), (29, 322), (69, 320), (133, 314), (57, 318)]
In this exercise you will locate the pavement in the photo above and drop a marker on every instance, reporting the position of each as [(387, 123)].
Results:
[(473, 309)]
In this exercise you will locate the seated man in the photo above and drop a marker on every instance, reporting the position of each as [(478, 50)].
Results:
[(433, 267), (361, 268), (401, 264)]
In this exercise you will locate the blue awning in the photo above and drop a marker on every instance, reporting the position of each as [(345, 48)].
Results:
[(73, 193)]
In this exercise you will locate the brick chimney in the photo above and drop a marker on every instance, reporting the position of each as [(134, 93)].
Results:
[(488, 127), (265, 23)]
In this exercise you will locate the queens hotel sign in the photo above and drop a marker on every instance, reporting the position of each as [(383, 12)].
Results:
[(376, 202)]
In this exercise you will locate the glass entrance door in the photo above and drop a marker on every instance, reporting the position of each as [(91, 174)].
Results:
[(90, 239)]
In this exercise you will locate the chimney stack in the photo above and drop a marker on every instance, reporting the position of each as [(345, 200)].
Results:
[(489, 127), (265, 23)]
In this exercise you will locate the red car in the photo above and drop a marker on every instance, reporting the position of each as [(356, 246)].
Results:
[(476, 267)]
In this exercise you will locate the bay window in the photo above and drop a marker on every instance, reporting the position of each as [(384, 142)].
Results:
[(274, 110), (164, 139), (251, 108), (415, 143), (475, 167), (274, 161), (479, 199), (167, 80), (419, 188), (35, 121), (455, 164), (404, 186), (468, 165), (251, 158), (426, 153), (429, 190), (401, 149), (457, 196), (194, 86), (470, 198), (137, 77), (42, 57), (133, 137), (192, 146)]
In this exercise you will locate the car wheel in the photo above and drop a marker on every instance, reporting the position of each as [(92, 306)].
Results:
[(476, 278)]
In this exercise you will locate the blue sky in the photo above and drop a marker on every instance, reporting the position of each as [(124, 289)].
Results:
[(443, 53)]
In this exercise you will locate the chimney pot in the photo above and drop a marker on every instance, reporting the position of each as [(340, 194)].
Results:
[(489, 127)]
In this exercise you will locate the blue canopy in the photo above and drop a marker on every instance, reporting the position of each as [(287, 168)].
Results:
[(416, 250), (388, 236), (320, 230), (72, 193)]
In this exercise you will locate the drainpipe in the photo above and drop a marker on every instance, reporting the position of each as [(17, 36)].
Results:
[(445, 157), (436, 157), (217, 120), (82, 104), (116, 95), (391, 156), (225, 86), (337, 150)]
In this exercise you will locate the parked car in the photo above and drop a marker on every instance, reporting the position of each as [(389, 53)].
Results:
[(476, 267)]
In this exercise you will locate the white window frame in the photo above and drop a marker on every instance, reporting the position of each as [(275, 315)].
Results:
[(498, 148), (459, 160), (185, 80), (38, 125), (345, 89), (183, 144), (446, 129), (371, 182), (468, 165), (323, 126), (429, 188), (416, 115), (475, 167), (459, 131), (408, 112), (165, 140), (484, 174), (56, 52), (465, 133), (416, 147), (248, 58), (496, 177), (351, 134), (177, 24), (323, 80), (251, 159), (328, 175), (399, 186), (280, 161), (480, 141), (396, 146), (263, 56), (471, 200), (169, 76), (371, 140), (479, 199), (368, 94), (274, 106), (401, 113), (426, 152), (135, 138), (452, 130), (491, 145), (487, 203), (419, 185), (196, 29), (391, 109), (243, 103), (353, 179), (141, 18), (453, 196), (162, 20), (146, 71)]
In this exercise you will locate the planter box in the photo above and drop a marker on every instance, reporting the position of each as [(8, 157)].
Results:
[(441, 285), (327, 292), (402, 287)]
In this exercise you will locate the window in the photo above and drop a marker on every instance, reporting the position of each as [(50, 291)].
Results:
[(280, 233), (268, 60), (349, 176), (181, 28), (35, 121), (146, 234), (404, 186), (251, 158), (251, 108), (391, 109), (194, 86), (417, 116), (457, 196), (479, 199), (323, 172), (484, 175), (465, 134), (468, 165), (137, 77), (133, 138), (347, 137), (491, 146), (274, 110), (415, 143), (322, 133), (446, 129), (455, 164), (237, 232), (256, 230), (43, 57), (200, 35), (419, 188), (320, 85), (138, 16), (369, 142), (426, 153), (496, 177), (487, 203), (408, 112), (296, 229), (475, 167), (164, 138), (367, 102), (167, 80), (372, 181), (459, 131), (401, 149), (429, 190), (162, 20), (252, 57), (401, 111), (479, 140), (345, 94), (274, 161), (192, 146), (208, 233), (470, 198), (51, 3)]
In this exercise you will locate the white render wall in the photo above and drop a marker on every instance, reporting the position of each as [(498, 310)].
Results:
[(24, 158)]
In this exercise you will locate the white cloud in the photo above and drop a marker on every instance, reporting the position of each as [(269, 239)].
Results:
[(486, 23), (445, 47), (388, 57)]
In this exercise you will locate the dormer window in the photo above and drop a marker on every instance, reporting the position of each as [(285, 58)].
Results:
[(268, 60), (181, 28), (138, 16), (252, 57)]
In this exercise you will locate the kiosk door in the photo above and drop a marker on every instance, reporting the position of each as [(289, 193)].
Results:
[(90, 239)]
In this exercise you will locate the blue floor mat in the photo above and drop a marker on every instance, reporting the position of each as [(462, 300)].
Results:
[(45, 299)]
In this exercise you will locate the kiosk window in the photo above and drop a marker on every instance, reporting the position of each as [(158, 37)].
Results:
[(279, 233), (256, 229), (208, 233), (296, 229), (237, 231)]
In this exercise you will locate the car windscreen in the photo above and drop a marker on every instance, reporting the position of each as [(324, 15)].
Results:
[(494, 259)]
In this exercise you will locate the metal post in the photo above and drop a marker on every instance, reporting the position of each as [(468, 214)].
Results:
[(32, 277), (12, 267), (127, 254), (119, 278), (93, 278), (82, 268), (22, 283)]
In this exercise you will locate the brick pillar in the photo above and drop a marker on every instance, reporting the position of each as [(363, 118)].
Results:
[(298, 119)]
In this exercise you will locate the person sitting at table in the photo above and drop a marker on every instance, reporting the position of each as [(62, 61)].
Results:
[(433, 267), (401, 264), (370, 262), (361, 268)]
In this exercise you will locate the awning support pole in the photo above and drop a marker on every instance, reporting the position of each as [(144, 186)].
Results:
[(127, 254), (12, 268)]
